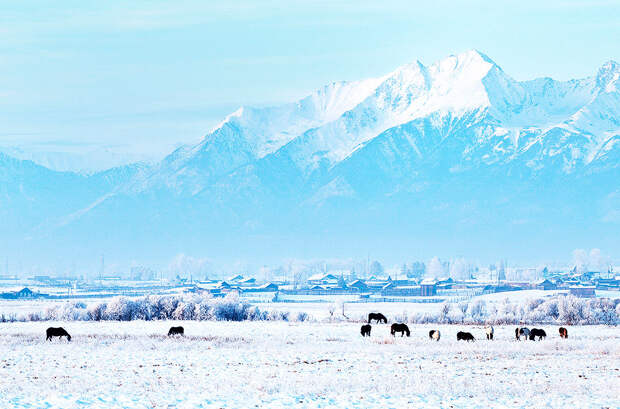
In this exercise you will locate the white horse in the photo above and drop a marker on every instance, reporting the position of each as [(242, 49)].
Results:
[(489, 331)]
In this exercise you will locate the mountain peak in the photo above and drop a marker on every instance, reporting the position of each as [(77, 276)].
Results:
[(468, 60), (607, 76)]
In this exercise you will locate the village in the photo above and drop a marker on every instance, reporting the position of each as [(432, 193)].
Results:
[(319, 287)]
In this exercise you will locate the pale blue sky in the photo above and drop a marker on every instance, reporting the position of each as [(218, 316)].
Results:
[(149, 75)]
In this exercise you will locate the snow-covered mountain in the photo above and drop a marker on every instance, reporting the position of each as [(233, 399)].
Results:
[(534, 122), (457, 143)]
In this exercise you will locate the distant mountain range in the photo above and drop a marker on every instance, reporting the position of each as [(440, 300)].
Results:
[(455, 157)]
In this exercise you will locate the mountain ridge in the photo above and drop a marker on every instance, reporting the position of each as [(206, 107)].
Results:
[(419, 138)]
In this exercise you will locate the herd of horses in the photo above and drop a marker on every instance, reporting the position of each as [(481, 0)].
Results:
[(435, 335), (395, 328)]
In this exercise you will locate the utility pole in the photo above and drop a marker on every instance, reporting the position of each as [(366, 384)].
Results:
[(102, 269)]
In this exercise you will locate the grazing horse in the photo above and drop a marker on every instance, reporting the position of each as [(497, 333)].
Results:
[(434, 334), (489, 331), (366, 330), (464, 336), (563, 332), (56, 332), (525, 332), (535, 332), (377, 316), (176, 331), (402, 328)]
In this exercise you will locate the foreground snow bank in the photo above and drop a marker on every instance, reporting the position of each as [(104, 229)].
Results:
[(279, 364)]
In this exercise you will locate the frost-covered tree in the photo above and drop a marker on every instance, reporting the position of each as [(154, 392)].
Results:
[(444, 314), (571, 310), (580, 260), (459, 269), (376, 268), (119, 309), (477, 310), (184, 311), (96, 311), (434, 268)]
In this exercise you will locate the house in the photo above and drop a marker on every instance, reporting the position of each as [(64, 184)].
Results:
[(202, 287), (583, 291), (445, 283), (607, 284), (359, 285), (377, 283), (23, 293), (268, 287), (223, 285), (546, 285), (247, 282), (235, 279), (428, 287), (403, 291), (322, 279)]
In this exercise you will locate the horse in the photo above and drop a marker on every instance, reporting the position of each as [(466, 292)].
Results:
[(525, 332), (377, 316), (434, 334), (464, 336), (517, 333), (489, 331), (366, 330), (176, 331), (402, 328), (56, 332), (563, 332), (535, 332)]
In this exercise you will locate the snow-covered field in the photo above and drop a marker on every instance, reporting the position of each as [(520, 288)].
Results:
[(280, 364)]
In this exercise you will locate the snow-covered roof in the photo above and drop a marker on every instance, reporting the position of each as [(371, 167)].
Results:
[(321, 276)]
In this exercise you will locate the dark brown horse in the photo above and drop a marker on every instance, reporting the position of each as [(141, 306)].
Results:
[(464, 336), (536, 332), (563, 332), (366, 330), (57, 332), (377, 316), (402, 328), (176, 331)]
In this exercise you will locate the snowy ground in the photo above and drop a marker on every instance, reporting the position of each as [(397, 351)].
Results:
[(279, 364)]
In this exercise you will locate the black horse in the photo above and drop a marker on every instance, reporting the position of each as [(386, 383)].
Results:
[(563, 332), (377, 316), (402, 328), (535, 332), (434, 334), (176, 331), (57, 332), (366, 330), (464, 336)]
